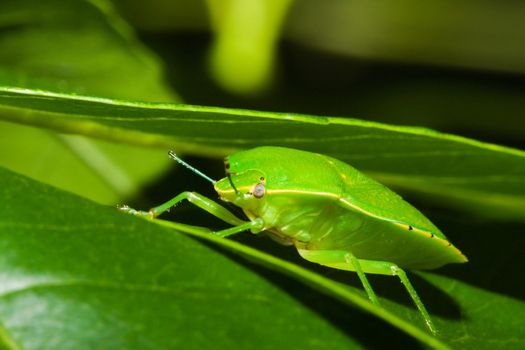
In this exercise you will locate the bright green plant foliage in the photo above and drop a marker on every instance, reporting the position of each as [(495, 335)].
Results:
[(461, 172), (112, 279), (102, 58), (95, 275)]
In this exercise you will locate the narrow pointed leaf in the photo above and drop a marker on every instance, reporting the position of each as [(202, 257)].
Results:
[(461, 172)]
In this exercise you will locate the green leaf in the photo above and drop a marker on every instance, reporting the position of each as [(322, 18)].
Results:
[(79, 47), (461, 172), (76, 46), (75, 273), (487, 320), (78, 275)]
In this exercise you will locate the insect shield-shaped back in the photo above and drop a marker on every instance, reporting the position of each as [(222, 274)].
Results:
[(284, 169), (333, 214)]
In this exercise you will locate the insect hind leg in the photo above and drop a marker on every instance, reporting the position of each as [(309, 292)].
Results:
[(388, 268), (345, 260), (354, 262), (396, 270)]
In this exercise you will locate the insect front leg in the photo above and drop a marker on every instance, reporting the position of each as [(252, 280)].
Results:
[(196, 199), (207, 205), (254, 226)]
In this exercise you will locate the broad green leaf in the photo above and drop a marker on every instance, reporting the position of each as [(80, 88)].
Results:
[(77, 46), (75, 274), (486, 320), (459, 171), (79, 275)]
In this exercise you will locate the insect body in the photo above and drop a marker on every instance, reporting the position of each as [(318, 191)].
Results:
[(333, 214)]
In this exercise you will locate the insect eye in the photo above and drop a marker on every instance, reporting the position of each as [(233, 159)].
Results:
[(258, 191)]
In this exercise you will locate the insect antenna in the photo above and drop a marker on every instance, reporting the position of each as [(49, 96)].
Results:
[(231, 183), (173, 156)]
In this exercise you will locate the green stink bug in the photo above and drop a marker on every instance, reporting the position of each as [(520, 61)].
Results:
[(333, 214)]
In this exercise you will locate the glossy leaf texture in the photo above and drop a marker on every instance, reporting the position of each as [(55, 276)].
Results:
[(460, 172), (76, 274), (91, 276)]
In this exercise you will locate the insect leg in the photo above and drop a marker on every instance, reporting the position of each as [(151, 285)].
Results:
[(208, 205), (346, 261), (396, 270), (254, 226), (351, 259), (194, 198), (388, 268)]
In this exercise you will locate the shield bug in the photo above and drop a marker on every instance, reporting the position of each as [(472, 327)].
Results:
[(332, 213)]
